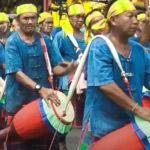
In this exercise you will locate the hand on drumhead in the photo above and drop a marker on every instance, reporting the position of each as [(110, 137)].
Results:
[(49, 94), (142, 112)]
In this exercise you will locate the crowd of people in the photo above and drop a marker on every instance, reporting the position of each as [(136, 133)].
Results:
[(102, 101)]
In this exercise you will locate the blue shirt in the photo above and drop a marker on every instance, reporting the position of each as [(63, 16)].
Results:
[(29, 59), (55, 31), (104, 115), (136, 39), (2, 57), (64, 45), (2, 60)]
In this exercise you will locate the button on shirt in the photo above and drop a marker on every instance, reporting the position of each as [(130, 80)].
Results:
[(28, 58), (104, 115)]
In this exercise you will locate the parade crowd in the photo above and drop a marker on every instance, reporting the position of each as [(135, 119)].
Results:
[(106, 99)]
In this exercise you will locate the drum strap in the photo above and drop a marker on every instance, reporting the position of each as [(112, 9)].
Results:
[(117, 60), (75, 44), (73, 41), (47, 60)]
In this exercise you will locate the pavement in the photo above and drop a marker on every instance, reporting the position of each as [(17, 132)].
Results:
[(73, 139)]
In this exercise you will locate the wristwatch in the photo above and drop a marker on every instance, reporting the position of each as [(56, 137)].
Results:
[(38, 87)]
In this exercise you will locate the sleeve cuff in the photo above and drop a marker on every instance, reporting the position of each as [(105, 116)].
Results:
[(57, 64), (10, 71), (101, 83)]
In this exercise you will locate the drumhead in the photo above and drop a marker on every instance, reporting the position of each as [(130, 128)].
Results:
[(58, 110)]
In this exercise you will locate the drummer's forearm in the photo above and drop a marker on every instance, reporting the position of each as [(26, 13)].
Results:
[(118, 96), (25, 80), (145, 36), (59, 71)]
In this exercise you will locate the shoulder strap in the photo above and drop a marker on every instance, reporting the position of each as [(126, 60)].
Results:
[(83, 60), (116, 58), (73, 40), (46, 56), (114, 52)]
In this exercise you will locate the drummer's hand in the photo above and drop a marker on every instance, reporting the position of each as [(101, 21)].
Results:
[(49, 94), (142, 112)]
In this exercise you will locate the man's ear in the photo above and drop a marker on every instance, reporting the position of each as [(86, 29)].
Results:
[(113, 21)]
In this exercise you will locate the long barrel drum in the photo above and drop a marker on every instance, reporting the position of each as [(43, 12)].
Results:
[(133, 136)]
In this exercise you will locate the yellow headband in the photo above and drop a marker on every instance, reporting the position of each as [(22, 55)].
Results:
[(101, 24), (3, 17), (97, 5), (75, 9), (141, 16), (90, 5), (119, 7), (25, 8), (138, 2), (43, 16), (92, 16)]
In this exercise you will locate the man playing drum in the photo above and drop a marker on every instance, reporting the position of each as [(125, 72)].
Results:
[(27, 75), (108, 105)]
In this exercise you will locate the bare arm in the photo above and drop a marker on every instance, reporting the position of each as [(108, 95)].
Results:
[(145, 36), (121, 99), (118, 96), (65, 68)]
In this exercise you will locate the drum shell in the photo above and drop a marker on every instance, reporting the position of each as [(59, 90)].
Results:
[(28, 123), (124, 138)]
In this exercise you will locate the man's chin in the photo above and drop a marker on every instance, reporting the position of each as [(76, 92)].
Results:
[(131, 34), (29, 32)]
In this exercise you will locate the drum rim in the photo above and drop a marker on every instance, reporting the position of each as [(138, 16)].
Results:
[(58, 116)]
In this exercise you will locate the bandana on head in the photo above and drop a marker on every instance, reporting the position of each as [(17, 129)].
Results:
[(141, 16), (26, 8), (43, 16), (75, 9), (92, 16), (119, 7), (3, 17), (101, 24), (90, 5), (138, 3)]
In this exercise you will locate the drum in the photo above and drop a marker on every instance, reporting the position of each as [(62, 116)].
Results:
[(134, 136), (37, 119)]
